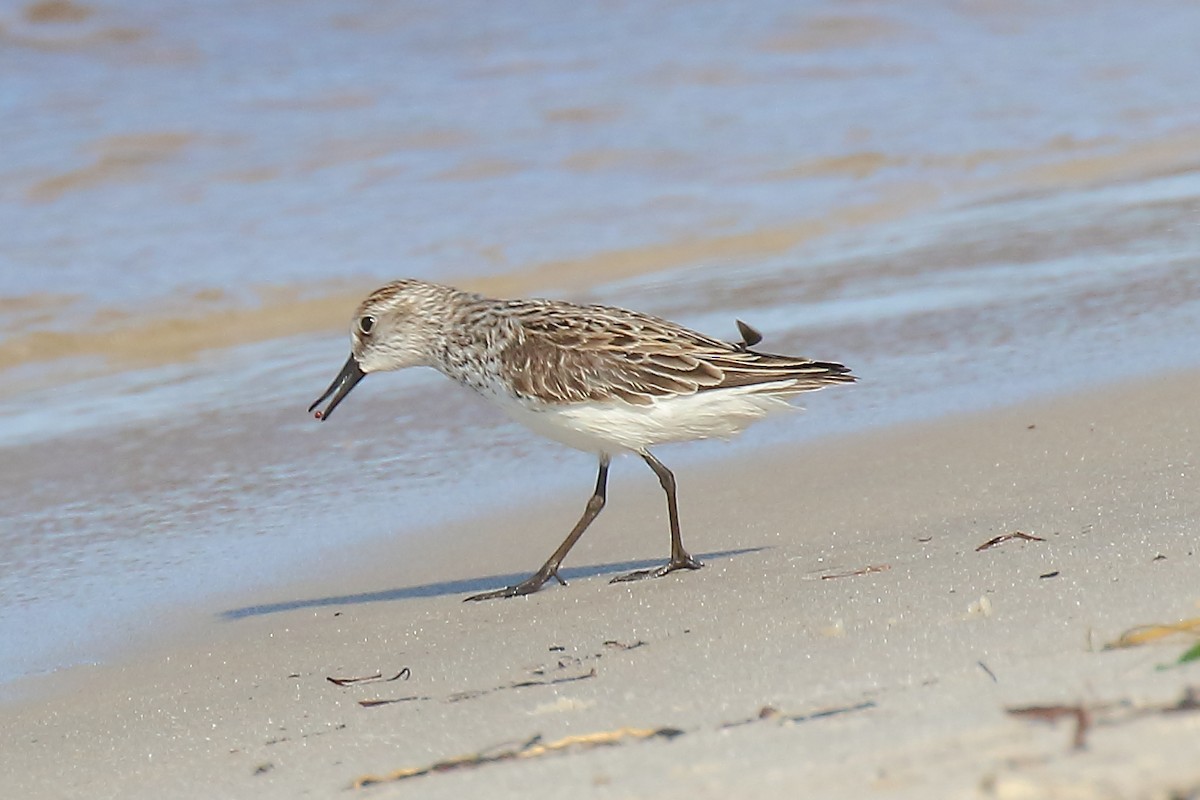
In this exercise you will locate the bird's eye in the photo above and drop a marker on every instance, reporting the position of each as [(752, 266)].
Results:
[(366, 324)]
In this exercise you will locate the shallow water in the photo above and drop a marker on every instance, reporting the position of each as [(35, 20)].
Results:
[(970, 204)]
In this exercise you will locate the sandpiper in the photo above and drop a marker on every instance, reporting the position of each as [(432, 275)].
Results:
[(597, 378)]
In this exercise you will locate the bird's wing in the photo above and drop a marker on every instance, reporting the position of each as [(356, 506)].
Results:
[(571, 354)]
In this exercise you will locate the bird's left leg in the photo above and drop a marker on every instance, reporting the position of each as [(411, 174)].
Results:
[(680, 558)]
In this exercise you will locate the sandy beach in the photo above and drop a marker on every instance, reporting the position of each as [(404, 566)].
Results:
[(988, 211), (848, 638)]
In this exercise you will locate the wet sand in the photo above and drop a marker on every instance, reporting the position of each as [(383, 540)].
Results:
[(847, 638)]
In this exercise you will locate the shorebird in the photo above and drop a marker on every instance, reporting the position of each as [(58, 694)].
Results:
[(600, 379)]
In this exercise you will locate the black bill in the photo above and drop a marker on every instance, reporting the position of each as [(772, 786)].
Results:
[(342, 384)]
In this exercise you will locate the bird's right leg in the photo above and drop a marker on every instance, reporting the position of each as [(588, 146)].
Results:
[(549, 570)]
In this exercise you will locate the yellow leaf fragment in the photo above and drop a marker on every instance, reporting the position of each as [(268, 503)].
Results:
[(532, 748), (1143, 634)]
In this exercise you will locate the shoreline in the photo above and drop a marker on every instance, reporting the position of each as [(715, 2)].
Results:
[(898, 632), (217, 469)]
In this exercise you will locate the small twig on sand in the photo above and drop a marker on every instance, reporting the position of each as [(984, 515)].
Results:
[(405, 673), (1107, 714), (1083, 719), (864, 571), (1005, 537), (770, 712)]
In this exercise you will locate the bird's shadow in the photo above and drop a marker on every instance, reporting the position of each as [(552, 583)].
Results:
[(466, 586)]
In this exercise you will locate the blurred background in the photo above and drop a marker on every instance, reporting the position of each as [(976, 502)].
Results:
[(970, 203)]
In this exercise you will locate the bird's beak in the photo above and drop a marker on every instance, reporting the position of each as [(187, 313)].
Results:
[(346, 379)]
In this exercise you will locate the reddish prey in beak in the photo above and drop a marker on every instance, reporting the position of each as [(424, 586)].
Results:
[(350, 375)]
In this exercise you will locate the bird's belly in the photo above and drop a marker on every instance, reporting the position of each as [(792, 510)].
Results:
[(616, 426)]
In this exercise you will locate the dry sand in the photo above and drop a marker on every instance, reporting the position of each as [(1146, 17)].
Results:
[(922, 651)]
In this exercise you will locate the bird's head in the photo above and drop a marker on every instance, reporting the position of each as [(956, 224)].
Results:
[(393, 328)]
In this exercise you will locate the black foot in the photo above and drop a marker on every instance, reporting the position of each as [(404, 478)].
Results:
[(683, 562), (527, 586)]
